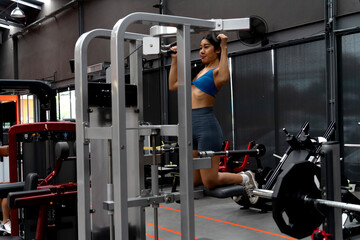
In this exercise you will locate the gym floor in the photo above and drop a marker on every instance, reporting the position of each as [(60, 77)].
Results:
[(216, 219)]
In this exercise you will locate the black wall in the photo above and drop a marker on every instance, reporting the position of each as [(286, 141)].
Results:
[(44, 51), (276, 87), (350, 108)]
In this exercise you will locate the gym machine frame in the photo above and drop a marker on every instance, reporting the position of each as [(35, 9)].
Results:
[(14, 165), (118, 200), (329, 191)]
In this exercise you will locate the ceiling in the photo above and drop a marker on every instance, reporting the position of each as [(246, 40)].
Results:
[(31, 9)]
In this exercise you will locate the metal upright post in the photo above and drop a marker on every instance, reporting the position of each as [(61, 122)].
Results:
[(331, 55), (119, 136), (331, 182), (185, 133), (82, 122), (135, 159)]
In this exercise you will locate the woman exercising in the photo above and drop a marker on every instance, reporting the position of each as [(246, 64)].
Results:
[(207, 133)]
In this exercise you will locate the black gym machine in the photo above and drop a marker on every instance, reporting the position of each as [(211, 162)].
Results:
[(41, 196), (307, 195), (43, 91), (304, 190)]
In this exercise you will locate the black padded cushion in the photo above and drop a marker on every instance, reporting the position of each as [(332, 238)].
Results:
[(13, 196), (62, 150), (225, 191), (5, 188), (31, 181)]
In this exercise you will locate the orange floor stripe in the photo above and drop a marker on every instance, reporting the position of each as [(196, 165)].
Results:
[(166, 229), (172, 209), (234, 224), (151, 236)]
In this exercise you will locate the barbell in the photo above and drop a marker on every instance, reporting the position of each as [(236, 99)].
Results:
[(257, 151), (296, 200)]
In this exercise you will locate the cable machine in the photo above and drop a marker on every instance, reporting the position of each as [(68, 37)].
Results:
[(116, 129)]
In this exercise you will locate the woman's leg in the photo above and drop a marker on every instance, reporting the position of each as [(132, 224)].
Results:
[(208, 135), (212, 178), (197, 177), (5, 210)]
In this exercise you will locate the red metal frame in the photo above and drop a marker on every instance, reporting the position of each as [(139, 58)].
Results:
[(45, 199), (24, 128), (53, 173), (326, 236), (246, 160), (61, 193), (224, 168)]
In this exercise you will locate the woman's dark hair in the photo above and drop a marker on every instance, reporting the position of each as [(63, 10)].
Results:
[(211, 37)]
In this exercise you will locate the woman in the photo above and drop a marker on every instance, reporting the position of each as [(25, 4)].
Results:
[(207, 133)]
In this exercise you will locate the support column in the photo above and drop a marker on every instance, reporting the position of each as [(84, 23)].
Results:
[(15, 57), (331, 59), (331, 184), (185, 133)]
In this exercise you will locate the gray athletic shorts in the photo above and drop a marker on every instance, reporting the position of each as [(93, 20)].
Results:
[(207, 133)]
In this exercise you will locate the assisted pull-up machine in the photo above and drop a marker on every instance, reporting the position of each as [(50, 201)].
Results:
[(116, 129)]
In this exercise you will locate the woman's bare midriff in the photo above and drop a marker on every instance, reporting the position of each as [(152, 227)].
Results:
[(200, 99)]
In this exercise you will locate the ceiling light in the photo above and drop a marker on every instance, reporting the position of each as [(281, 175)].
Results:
[(17, 12)]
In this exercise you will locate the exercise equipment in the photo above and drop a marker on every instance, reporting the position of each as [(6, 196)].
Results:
[(297, 206), (302, 147), (120, 137), (41, 142), (166, 48), (38, 195), (42, 90), (293, 186), (232, 164), (257, 151)]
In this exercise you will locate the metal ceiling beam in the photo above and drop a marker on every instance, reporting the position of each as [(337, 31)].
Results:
[(4, 26), (28, 4), (9, 23), (4, 9)]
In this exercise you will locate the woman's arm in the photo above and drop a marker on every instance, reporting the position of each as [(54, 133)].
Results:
[(173, 83), (4, 150), (222, 73)]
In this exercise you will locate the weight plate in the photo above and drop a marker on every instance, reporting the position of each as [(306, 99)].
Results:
[(291, 214)]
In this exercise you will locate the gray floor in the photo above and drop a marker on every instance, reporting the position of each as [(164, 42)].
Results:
[(217, 219)]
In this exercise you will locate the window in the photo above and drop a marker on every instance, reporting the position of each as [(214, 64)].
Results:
[(65, 105), (27, 114)]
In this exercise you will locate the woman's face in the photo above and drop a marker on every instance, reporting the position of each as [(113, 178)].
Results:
[(208, 53)]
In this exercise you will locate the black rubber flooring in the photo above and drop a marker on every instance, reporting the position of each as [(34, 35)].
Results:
[(217, 219)]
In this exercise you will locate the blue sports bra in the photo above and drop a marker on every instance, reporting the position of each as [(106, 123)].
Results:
[(206, 83)]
